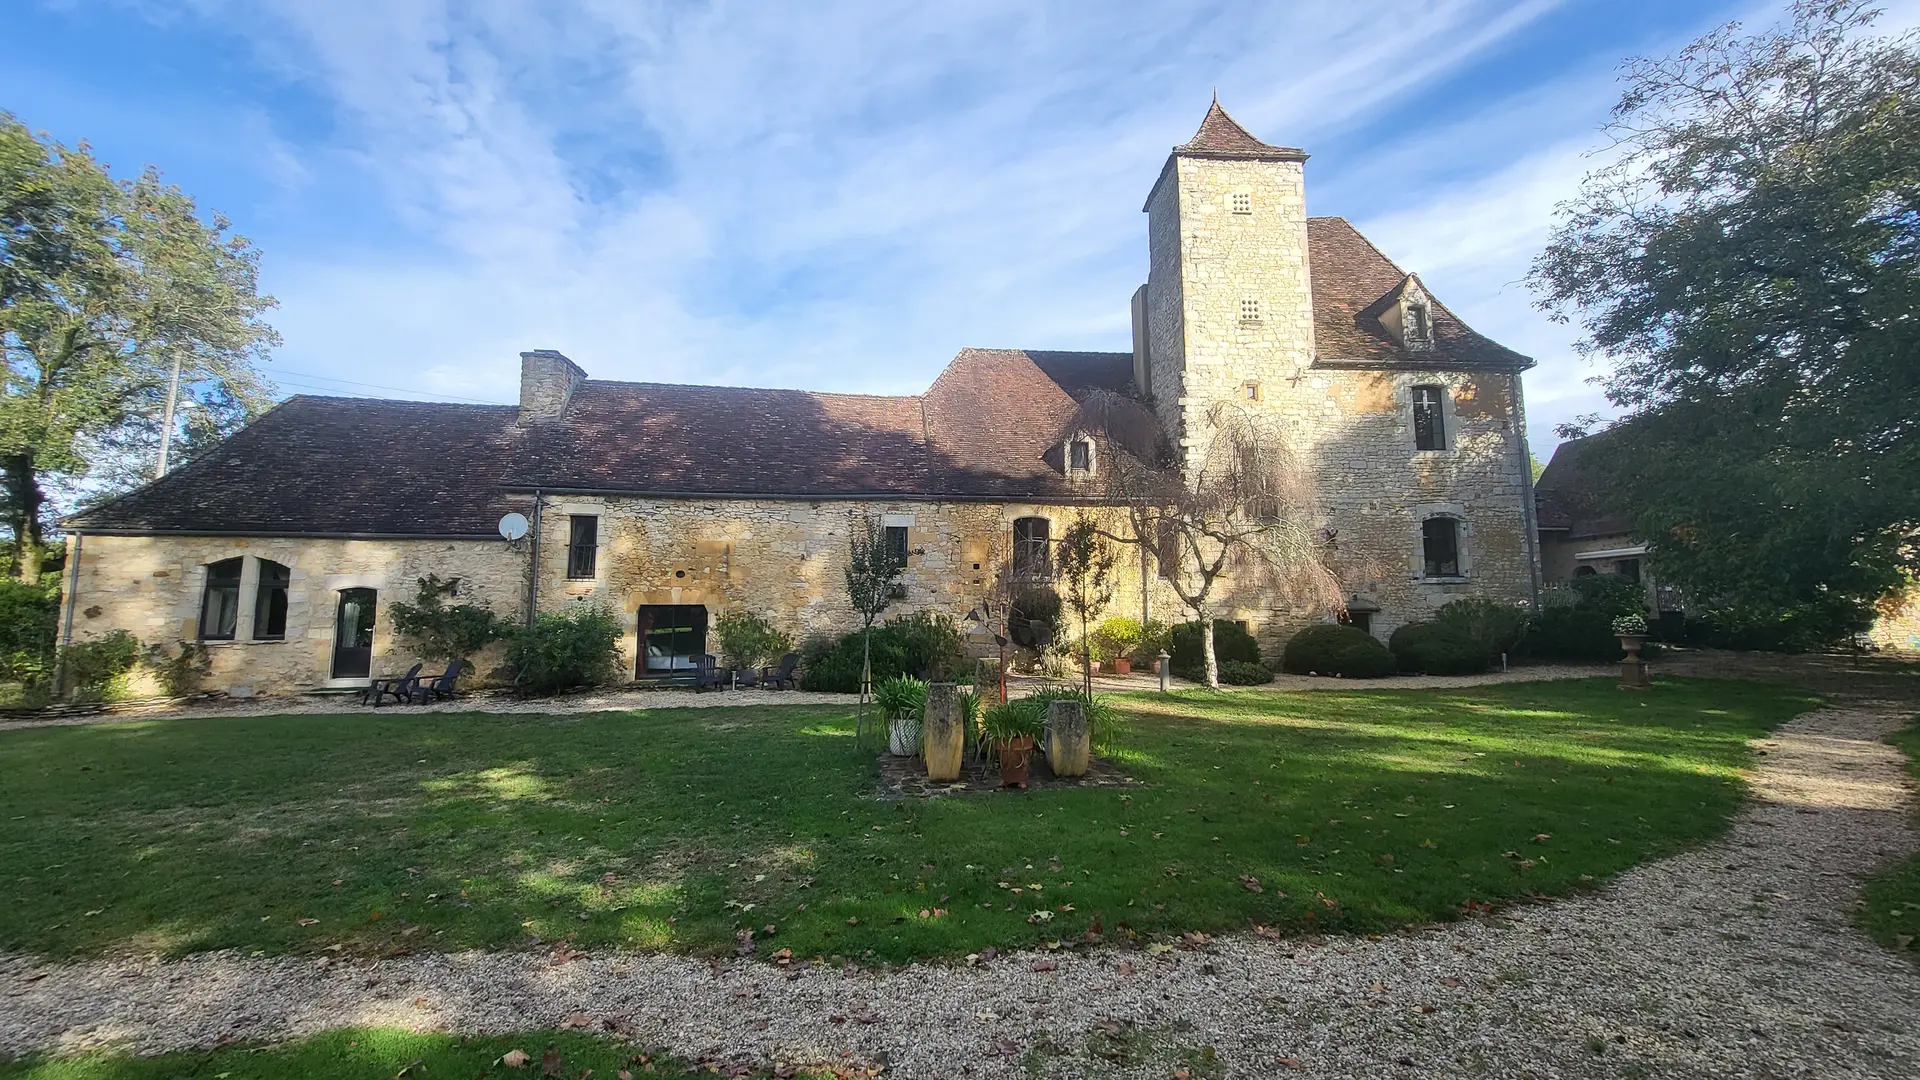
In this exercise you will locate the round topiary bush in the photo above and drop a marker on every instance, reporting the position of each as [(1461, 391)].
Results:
[(1241, 673), (1229, 643), (1332, 649), (1434, 649)]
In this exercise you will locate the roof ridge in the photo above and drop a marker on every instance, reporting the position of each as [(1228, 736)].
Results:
[(754, 389)]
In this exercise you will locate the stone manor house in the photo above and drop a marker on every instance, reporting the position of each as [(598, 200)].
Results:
[(283, 547)]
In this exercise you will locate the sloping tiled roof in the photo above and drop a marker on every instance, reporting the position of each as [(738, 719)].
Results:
[(1350, 276), (341, 466), (1221, 135), (1572, 492), (996, 418), (722, 440)]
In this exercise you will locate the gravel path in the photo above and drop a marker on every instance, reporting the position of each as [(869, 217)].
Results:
[(1733, 961)]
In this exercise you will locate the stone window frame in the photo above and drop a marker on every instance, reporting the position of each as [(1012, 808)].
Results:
[(1462, 540), (1021, 556), (1079, 438), (235, 591), (583, 560), (247, 599), (1449, 426), (263, 590)]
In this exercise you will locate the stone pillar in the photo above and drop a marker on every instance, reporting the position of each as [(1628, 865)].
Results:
[(986, 681), (1069, 741), (943, 738)]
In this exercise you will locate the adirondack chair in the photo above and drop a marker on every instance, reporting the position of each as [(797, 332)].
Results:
[(706, 676), (440, 689), (782, 677), (400, 689)]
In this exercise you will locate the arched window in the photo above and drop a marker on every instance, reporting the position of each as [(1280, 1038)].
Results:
[(270, 602), (220, 602), (1440, 546), (1584, 571), (1032, 559)]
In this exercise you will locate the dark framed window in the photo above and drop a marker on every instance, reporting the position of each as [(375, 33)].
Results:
[(1628, 568), (1080, 455), (1440, 543), (1032, 556), (220, 603), (1359, 620), (673, 637), (895, 537), (270, 601), (583, 546), (1429, 419), (1584, 571)]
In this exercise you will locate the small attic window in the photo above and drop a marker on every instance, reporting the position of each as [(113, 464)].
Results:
[(1250, 391), (1249, 309), (1240, 202), (1080, 455), (1420, 322)]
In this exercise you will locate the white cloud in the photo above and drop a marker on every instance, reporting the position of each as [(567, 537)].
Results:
[(837, 196)]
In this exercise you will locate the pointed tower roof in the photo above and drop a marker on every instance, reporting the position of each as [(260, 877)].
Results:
[(1221, 135)]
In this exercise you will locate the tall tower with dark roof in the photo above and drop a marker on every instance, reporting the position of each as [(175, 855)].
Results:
[(1227, 311)]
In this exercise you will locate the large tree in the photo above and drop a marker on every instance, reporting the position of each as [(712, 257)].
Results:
[(1241, 509), (1748, 262), (110, 291)]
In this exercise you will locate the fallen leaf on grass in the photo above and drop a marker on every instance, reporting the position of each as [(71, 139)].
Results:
[(514, 1059), (306, 922), (1250, 883)]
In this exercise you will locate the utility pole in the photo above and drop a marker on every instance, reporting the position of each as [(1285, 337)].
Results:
[(166, 422)]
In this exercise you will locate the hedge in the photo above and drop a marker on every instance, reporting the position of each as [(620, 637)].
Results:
[(1332, 649), (1437, 649)]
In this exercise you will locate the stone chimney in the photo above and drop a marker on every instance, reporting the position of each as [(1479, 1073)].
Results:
[(547, 382)]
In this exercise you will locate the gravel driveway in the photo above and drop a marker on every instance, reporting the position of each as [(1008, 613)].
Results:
[(1736, 960)]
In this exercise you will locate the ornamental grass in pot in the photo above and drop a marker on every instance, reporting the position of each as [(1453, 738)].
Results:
[(1011, 728), (903, 700)]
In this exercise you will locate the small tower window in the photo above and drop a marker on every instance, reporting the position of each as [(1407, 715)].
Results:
[(1250, 391), (1440, 546), (1241, 202), (1429, 419), (1249, 309)]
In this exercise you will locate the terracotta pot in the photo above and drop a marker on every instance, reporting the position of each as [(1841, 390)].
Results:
[(1014, 754), (1120, 665)]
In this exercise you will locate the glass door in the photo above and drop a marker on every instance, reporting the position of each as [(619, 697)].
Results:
[(353, 634), (672, 638)]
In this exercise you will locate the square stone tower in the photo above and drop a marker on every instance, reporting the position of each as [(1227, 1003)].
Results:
[(1227, 311)]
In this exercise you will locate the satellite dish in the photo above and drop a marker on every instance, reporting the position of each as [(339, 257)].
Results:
[(513, 526)]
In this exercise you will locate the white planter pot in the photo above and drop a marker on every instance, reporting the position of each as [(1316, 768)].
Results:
[(903, 736)]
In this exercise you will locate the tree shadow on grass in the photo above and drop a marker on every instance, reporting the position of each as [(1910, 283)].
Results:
[(1348, 811)]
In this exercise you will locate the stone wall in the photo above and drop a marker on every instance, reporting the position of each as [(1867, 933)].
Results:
[(153, 587)]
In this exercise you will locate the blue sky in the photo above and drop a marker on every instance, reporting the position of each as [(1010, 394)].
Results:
[(829, 195)]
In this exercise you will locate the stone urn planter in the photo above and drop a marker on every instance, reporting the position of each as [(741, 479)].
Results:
[(1069, 738), (1632, 632)]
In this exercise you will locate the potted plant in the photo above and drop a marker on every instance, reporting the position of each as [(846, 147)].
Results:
[(902, 700), (1011, 728), (1116, 638), (1632, 630)]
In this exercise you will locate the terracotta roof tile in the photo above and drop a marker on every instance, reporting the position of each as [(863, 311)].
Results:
[(1350, 276)]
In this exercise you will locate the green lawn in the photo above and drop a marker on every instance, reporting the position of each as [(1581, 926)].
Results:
[(1890, 908), (357, 1054), (383, 832)]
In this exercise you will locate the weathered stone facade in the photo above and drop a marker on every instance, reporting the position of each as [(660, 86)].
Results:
[(737, 500)]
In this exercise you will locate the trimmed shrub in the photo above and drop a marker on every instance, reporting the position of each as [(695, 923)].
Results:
[(1613, 595), (918, 646), (1229, 643), (1241, 673), (1493, 627), (1332, 649), (1437, 649), (564, 650), (749, 640), (96, 669), (1116, 636), (929, 645), (1572, 633)]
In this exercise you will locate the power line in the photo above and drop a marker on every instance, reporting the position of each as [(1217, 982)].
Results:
[(377, 386)]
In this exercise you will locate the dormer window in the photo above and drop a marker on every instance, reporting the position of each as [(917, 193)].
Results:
[(1249, 309), (1240, 202), (1406, 314), (1080, 456), (1419, 324)]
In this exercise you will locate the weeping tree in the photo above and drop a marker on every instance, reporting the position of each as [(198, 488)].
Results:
[(113, 294), (1240, 509), (1084, 565), (872, 569)]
